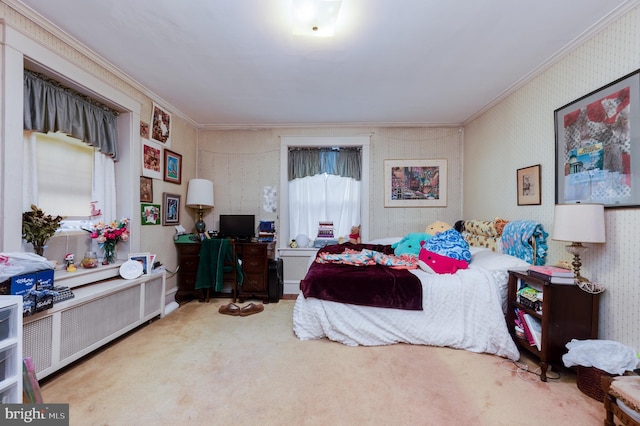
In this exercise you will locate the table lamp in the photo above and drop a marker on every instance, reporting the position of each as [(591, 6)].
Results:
[(578, 223), (200, 196)]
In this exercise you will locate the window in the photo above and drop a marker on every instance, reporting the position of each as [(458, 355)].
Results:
[(320, 194)]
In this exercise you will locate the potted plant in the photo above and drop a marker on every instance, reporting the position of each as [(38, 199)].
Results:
[(38, 227)]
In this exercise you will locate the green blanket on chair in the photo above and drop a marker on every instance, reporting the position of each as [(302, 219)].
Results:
[(211, 267)]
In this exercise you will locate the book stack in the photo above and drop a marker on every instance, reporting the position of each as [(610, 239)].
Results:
[(325, 235), (266, 231), (531, 298), (531, 326), (552, 274)]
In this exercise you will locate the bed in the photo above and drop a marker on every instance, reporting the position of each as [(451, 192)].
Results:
[(464, 310)]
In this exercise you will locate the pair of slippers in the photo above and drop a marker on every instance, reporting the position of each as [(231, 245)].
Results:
[(235, 310)]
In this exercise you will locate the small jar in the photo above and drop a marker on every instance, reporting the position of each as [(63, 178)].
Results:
[(90, 260)]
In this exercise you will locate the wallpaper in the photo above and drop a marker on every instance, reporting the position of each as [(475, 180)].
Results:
[(519, 132)]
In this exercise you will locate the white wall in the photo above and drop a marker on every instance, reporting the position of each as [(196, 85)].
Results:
[(519, 132)]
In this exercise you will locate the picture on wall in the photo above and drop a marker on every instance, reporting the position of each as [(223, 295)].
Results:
[(172, 166), (151, 160), (597, 152), (415, 183), (528, 184), (171, 209), (146, 189), (150, 214), (145, 261), (144, 130), (160, 125)]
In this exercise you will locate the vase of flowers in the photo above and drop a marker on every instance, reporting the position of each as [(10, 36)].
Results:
[(38, 227), (108, 235)]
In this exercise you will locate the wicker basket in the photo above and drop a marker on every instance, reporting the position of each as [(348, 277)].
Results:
[(589, 381)]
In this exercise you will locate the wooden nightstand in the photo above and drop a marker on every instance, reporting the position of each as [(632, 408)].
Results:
[(567, 313)]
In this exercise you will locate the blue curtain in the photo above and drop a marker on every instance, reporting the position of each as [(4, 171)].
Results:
[(345, 162)]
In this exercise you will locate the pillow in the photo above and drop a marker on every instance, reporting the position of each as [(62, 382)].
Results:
[(488, 259), (385, 241)]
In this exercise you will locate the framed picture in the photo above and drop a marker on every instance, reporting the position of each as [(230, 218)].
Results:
[(151, 160), (146, 189), (160, 125), (150, 214), (415, 183), (144, 259), (597, 150), (172, 166), (528, 184), (144, 130), (170, 209)]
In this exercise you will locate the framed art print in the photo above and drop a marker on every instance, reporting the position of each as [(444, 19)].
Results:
[(172, 167), (146, 189), (150, 214), (151, 160), (144, 259), (170, 209), (528, 184), (415, 183), (597, 152), (160, 125)]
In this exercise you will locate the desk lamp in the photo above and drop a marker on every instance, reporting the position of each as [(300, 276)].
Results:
[(200, 196), (578, 223)]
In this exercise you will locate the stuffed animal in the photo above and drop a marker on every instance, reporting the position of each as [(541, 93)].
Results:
[(444, 253), (354, 236), (410, 244), (436, 227)]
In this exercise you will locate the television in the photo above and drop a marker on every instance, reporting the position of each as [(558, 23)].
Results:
[(238, 226)]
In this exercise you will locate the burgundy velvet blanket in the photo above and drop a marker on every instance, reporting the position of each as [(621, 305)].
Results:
[(374, 285)]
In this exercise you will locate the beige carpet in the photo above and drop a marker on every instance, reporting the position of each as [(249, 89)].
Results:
[(199, 367)]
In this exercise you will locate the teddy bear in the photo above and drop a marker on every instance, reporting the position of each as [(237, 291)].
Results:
[(436, 227), (354, 236), (444, 253), (410, 243)]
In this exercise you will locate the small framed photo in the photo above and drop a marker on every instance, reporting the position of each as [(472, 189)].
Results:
[(528, 184), (172, 167), (170, 209), (144, 130), (160, 125), (146, 189), (144, 259), (151, 160), (150, 214)]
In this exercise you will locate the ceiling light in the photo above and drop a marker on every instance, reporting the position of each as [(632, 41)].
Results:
[(315, 17)]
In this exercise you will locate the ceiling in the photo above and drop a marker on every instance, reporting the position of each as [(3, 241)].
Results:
[(236, 64)]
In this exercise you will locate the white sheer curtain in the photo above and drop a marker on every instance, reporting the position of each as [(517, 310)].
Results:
[(323, 197), (29, 172)]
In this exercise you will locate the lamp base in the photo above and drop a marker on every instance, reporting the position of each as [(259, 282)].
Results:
[(200, 225), (577, 249)]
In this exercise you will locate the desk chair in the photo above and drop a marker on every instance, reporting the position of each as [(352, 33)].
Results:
[(218, 264)]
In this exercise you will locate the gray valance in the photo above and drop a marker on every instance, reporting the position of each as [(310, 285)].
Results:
[(51, 107), (344, 162)]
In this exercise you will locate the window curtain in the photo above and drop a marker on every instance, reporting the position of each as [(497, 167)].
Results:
[(324, 185), (29, 171), (51, 107), (344, 162)]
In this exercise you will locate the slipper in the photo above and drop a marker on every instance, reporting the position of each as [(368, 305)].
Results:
[(230, 309), (251, 309)]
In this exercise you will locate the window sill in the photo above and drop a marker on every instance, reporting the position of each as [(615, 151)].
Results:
[(83, 276), (297, 252)]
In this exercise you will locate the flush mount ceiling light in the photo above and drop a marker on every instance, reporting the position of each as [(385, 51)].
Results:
[(315, 17)]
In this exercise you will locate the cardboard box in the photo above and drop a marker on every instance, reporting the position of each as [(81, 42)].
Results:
[(43, 302), (23, 284), (44, 279)]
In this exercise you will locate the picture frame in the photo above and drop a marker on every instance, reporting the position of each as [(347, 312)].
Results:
[(172, 167), (160, 125), (415, 183), (149, 214), (144, 130), (146, 189), (529, 187), (145, 259), (170, 209), (151, 160), (597, 146)]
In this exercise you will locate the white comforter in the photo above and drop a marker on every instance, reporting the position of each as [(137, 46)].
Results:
[(463, 310)]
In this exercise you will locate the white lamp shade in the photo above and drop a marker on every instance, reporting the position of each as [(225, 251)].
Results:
[(582, 223), (200, 194)]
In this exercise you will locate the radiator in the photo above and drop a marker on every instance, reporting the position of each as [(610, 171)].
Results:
[(98, 314)]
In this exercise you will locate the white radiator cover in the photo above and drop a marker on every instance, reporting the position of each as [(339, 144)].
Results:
[(96, 315)]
